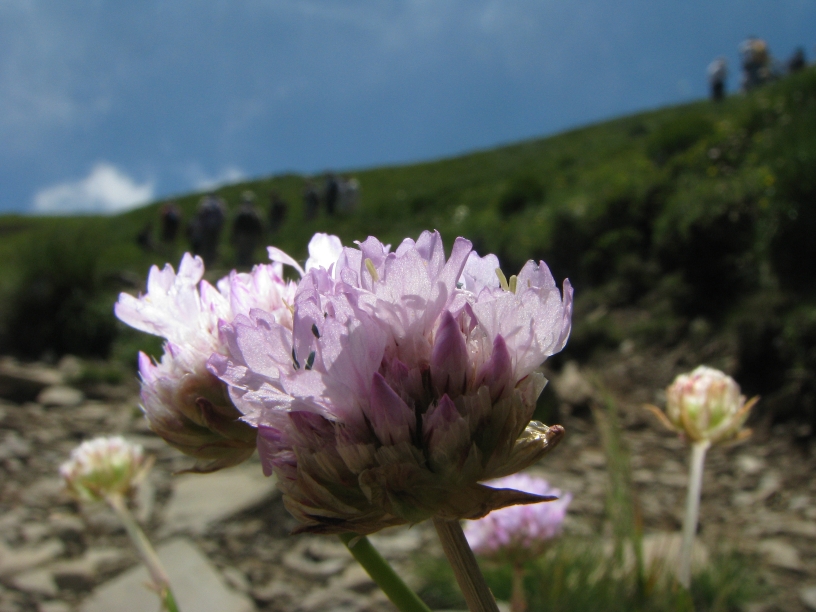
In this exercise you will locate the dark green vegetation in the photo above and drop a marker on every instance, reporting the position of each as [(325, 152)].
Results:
[(685, 224), (578, 574)]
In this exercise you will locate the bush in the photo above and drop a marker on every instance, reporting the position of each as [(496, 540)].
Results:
[(59, 305)]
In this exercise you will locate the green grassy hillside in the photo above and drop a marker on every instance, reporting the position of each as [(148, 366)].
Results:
[(677, 225)]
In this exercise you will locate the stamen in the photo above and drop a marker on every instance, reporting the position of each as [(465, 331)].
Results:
[(513, 282), (502, 279), (372, 270)]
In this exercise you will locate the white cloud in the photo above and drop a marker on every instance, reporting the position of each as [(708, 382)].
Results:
[(105, 190), (201, 181)]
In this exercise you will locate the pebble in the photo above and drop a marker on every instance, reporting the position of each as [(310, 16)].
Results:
[(60, 396), (37, 581), (780, 554), (14, 561), (808, 596)]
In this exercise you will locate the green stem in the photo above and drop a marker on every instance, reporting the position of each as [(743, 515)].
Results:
[(383, 574), (161, 582), (698, 453), (518, 599), (468, 575)]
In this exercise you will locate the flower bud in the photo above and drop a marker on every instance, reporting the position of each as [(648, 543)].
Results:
[(103, 467), (706, 405)]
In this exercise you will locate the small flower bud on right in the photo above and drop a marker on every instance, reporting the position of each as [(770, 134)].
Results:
[(706, 405)]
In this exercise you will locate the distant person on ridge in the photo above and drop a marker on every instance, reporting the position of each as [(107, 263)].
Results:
[(797, 61), (332, 193), (206, 227), (247, 231), (311, 202), (756, 63), (278, 210), (170, 221), (717, 73)]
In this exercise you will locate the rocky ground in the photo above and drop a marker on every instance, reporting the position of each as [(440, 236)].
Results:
[(224, 537)]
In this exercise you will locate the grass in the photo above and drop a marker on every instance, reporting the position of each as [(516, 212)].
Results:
[(578, 575), (688, 217)]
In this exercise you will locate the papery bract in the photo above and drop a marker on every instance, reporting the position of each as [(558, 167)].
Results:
[(398, 389), (519, 533), (183, 402)]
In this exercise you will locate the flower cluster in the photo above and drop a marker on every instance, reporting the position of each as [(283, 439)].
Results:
[(404, 381), (706, 405), (184, 403), (103, 467), (519, 533)]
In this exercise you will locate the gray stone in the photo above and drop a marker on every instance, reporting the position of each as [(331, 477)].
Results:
[(82, 573), (45, 492), (571, 386), (60, 396), (14, 446), (195, 582), (22, 383), (236, 579), (54, 606), (397, 542), (311, 557), (37, 581), (781, 554), (808, 596), (332, 600), (201, 500), (18, 560)]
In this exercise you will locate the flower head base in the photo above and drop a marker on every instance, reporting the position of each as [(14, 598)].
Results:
[(405, 380), (706, 405), (183, 402), (519, 533), (104, 467)]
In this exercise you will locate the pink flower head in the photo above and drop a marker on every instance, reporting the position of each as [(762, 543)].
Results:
[(183, 402), (400, 386), (519, 532)]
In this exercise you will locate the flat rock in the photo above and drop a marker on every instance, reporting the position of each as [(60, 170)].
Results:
[(781, 554), (22, 383), (82, 573), (196, 584), (201, 500), (18, 560), (37, 581), (808, 596), (60, 396)]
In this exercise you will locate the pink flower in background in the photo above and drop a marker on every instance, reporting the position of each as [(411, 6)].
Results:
[(519, 533), (405, 380), (183, 402)]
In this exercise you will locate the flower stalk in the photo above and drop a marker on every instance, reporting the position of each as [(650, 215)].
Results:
[(383, 574), (161, 583), (698, 453), (518, 599), (477, 594)]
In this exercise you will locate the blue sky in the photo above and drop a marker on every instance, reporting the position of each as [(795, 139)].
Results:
[(104, 105)]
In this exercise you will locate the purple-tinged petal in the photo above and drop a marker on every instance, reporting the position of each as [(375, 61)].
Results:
[(391, 419), (497, 372), (449, 359)]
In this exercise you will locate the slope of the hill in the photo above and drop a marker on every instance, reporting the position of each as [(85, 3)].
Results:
[(685, 229)]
